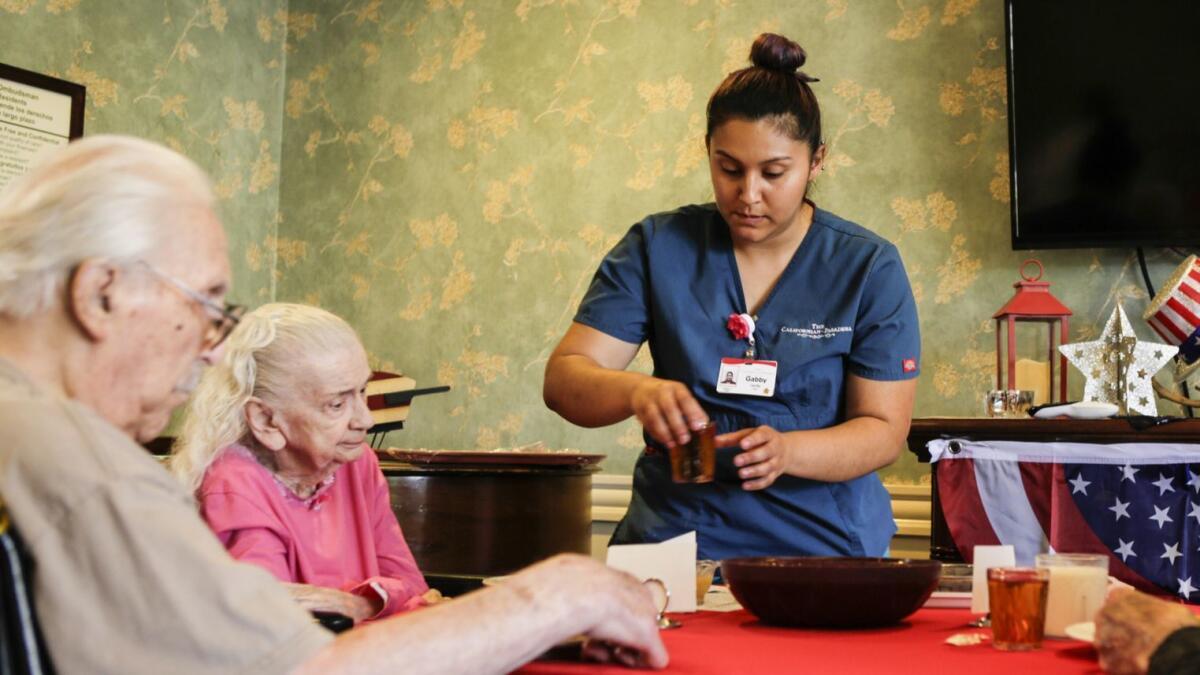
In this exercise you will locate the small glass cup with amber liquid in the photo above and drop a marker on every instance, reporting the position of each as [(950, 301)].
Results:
[(696, 460), (705, 570), (1017, 600)]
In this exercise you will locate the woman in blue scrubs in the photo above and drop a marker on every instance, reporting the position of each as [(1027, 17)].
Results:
[(813, 314)]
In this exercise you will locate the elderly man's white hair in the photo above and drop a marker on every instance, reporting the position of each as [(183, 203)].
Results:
[(112, 197)]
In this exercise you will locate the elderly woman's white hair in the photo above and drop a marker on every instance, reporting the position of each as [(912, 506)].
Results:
[(113, 197), (261, 355)]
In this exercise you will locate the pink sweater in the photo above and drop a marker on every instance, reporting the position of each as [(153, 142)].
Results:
[(345, 536)]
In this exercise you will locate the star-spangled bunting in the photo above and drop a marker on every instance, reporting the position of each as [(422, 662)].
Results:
[(1089, 499), (1154, 531), (1119, 368)]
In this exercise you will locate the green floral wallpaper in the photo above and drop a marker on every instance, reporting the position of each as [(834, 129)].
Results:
[(205, 77), (446, 174)]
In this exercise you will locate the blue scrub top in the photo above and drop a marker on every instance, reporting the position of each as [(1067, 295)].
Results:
[(843, 304)]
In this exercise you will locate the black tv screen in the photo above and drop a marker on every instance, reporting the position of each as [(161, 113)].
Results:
[(1104, 122)]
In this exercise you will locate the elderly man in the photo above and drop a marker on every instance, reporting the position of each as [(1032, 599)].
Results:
[(112, 276)]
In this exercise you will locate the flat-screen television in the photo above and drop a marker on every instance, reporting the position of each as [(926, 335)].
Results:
[(1104, 122)]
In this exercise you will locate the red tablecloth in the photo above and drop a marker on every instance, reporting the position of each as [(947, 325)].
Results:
[(736, 642)]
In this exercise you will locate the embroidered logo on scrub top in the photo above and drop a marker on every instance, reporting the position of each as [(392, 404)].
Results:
[(816, 331)]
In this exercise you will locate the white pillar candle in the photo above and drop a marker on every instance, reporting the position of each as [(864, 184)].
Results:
[(1034, 376)]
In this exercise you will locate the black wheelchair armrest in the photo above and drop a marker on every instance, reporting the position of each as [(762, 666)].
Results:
[(333, 621)]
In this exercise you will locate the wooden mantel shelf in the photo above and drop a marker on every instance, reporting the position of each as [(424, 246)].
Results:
[(926, 429)]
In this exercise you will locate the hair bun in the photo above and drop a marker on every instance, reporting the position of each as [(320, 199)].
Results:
[(777, 53)]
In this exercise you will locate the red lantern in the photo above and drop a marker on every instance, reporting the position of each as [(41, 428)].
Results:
[(1031, 303)]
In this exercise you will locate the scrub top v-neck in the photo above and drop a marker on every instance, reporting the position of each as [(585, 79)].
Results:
[(740, 290), (842, 305)]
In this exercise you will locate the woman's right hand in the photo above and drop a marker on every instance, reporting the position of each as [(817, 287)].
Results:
[(322, 599), (667, 410)]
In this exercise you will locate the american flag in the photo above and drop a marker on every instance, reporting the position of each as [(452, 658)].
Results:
[(1137, 503)]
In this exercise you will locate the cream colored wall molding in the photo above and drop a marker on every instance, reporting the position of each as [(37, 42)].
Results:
[(610, 497), (911, 508), (910, 503)]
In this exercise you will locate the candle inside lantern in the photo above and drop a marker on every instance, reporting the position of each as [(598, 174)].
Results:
[(1034, 376)]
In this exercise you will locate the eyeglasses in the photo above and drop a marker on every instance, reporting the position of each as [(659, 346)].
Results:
[(222, 319)]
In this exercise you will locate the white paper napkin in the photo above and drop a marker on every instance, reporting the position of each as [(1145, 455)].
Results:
[(985, 557), (673, 561)]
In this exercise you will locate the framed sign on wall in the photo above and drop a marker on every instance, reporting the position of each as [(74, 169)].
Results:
[(36, 111)]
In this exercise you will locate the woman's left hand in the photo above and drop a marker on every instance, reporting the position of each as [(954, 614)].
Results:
[(764, 455)]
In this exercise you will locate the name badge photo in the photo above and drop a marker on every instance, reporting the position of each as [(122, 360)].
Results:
[(747, 377)]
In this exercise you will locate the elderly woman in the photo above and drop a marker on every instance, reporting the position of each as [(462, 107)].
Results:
[(273, 449)]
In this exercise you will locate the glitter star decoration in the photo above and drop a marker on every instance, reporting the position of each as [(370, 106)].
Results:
[(1119, 368)]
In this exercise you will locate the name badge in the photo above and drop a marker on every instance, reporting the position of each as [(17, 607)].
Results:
[(747, 377)]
